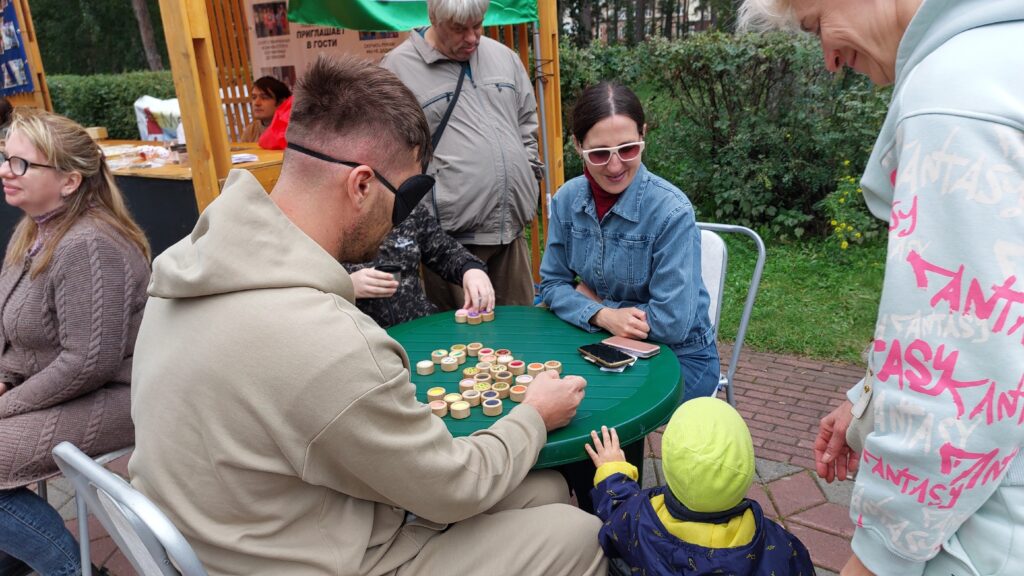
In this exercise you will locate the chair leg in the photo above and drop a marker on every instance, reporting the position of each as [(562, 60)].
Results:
[(83, 535), (41, 490)]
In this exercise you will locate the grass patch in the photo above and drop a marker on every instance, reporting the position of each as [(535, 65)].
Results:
[(815, 300)]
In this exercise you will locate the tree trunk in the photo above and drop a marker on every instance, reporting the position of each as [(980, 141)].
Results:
[(586, 24), (640, 21), (667, 30), (141, 10)]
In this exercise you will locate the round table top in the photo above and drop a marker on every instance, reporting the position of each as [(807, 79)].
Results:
[(635, 402)]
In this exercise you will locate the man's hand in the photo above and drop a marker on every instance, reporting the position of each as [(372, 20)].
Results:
[(4, 387), (555, 398), (606, 448), (477, 291), (627, 322), (372, 283), (854, 567), (832, 455)]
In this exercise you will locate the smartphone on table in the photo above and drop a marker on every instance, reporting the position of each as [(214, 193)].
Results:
[(606, 356), (637, 348)]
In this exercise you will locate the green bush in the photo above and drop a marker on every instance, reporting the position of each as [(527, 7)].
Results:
[(107, 99), (752, 128)]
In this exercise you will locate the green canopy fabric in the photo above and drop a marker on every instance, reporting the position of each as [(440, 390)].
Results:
[(387, 15)]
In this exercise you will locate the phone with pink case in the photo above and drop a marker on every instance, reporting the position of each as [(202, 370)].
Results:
[(637, 348)]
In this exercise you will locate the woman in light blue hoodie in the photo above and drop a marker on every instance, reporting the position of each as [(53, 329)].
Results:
[(935, 428)]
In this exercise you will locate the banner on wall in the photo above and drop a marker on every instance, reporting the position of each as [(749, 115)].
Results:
[(397, 14), (284, 49), (17, 77)]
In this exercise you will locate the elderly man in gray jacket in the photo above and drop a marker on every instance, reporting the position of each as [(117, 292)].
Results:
[(486, 162)]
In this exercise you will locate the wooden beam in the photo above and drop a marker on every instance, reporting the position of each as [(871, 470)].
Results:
[(189, 48), (550, 140), (40, 95)]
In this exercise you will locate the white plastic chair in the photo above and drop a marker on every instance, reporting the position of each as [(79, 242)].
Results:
[(714, 260), (141, 531)]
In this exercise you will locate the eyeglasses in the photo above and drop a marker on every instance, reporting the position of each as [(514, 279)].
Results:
[(602, 156), (407, 195), (19, 165)]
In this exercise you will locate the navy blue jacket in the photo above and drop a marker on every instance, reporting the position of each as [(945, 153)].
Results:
[(632, 531)]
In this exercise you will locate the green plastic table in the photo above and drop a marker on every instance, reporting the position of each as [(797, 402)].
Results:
[(635, 402)]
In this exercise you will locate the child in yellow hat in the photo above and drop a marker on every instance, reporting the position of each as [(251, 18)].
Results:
[(701, 523)]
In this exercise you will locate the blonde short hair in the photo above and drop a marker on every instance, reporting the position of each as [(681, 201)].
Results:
[(764, 15), (457, 11)]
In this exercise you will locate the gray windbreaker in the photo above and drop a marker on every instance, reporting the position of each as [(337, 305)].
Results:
[(486, 165)]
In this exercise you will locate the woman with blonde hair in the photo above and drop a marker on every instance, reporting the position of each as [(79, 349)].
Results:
[(935, 426), (72, 291)]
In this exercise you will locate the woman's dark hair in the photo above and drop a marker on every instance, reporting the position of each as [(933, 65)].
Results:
[(279, 90), (601, 101)]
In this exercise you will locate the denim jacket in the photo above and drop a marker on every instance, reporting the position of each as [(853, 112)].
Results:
[(644, 254)]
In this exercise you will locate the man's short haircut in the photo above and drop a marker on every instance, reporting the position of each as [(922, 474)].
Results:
[(458, 11), (347, 99)]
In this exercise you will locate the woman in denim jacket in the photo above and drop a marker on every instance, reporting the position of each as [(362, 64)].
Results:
[(631, 240)]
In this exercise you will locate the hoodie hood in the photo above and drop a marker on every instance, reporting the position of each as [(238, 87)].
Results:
[(937, 21), (243, 241)]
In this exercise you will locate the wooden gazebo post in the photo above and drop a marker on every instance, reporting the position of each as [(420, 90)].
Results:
[(190, 51)]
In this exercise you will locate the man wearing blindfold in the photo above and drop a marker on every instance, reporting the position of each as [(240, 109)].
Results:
[(276, 424)]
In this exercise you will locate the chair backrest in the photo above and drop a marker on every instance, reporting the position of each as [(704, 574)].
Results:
[(714, 260), (714, 266), (141, 531)]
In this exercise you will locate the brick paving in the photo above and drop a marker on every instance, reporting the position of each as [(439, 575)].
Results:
[(781, 397)]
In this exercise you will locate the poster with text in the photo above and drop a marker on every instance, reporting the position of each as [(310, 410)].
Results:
[(17, 77), (284, 49)]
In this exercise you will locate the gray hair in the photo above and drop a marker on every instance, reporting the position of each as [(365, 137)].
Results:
[(764, 15), (458, 11)]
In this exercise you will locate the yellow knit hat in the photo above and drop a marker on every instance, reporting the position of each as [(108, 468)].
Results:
[(707, 455)]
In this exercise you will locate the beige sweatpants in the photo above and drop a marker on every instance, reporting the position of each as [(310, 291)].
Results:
[(533, 531)]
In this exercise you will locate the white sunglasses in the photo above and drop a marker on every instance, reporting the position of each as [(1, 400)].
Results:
[(602, 156)]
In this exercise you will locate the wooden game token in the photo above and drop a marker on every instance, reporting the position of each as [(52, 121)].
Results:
[(460, 409), (553, 365), (486, 351), (425, 367), (482, 387), (505, 377), (505, 359), (534, 368), (501, 388), (436, 393), (461, 316), (472, 397), (489, 395), (449, 364), (466, 384), (517, 367), (439, 408), (488, 316), (452, 398), (517, 393), (503, 352), (498, 368), (457, 347), (487, 358), (473, 348), (524, 380), (438, 354), (492, 407), (459, 355), (483, 366), (483, 377), (473, 318), (469, 372)]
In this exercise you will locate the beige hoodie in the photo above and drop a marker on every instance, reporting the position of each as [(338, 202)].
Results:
[(276, 424)]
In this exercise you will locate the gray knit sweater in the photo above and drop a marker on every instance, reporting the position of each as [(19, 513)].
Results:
[(67, 340)]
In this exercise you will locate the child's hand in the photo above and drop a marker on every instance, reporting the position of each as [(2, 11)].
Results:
[(606, 448)]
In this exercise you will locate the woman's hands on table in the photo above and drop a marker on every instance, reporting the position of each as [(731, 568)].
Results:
[(627, 322)]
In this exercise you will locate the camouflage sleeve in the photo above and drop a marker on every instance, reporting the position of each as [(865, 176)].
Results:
[(440, 252)]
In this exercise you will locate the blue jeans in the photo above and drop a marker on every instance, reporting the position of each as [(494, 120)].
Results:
[(33, 532), (700, 371)]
